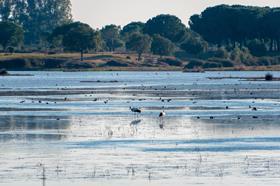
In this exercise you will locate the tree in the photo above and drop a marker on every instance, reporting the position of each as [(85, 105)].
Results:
[(168, 26), (139, 43), (162, 46), (11, 35), (132, 28), (224, 25), (111, 36), (194, 46), (78, 37), (257, 48), (37, 17), (6, 9)]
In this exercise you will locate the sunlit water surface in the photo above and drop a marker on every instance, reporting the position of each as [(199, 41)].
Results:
[(75, 128)]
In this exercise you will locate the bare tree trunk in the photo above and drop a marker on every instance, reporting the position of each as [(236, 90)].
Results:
[(82, 55), (139, 56)]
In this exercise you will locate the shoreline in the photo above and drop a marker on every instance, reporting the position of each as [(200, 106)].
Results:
[(98, 62)]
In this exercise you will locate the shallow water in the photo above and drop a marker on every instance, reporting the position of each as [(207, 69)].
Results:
[(76, 128)]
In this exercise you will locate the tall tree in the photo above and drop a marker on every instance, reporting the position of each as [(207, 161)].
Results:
[(111, 36), (37, 17), (139, 43), (11, 35), (168, 26), (6, 9), (225, 24), (78, 37), (194, 46), (132, 28), (162, 46)]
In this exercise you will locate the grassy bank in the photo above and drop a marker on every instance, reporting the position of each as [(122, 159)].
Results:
[(104, 62)]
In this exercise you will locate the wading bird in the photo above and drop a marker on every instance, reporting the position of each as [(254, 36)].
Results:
[(161, 116), (135, 110)]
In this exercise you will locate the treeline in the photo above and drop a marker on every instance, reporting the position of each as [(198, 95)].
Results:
[(222, 36), (162, 35), (38, 18), (253, 27)]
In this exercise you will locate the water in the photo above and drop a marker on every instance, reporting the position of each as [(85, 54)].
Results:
[(76, 128)]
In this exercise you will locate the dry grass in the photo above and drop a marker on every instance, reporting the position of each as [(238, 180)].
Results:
[(149, 62)]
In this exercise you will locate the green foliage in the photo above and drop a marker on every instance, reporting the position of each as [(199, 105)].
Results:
[(211, 63), (111, 37), (241, 55), (78, 37), (194, 63), (139, 43), (221, 53), (257, 48), (131, 28), (224, 23), (167, 26), (37, 17), (11, 35), (194, 46), (162, 46), (172, 62), (235, 25), (222, 62)]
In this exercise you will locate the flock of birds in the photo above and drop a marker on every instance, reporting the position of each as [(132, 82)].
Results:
[(139, 111)]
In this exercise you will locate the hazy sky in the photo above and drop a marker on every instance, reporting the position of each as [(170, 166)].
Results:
[(98, 13)]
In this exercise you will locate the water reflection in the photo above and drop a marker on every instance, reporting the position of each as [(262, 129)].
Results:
[(10, 123), (33, 127)]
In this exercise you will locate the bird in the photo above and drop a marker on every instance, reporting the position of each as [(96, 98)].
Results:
[(135, 110), (162, 114)]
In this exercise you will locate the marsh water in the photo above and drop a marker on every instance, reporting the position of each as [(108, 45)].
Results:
[(76, 128)]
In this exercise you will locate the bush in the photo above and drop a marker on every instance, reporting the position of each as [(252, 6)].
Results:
[(194, 63), (211, 65), (116, 64), (172, 62), (79, 65), (194, 46), (222, 62), (221, 53), (257, 48), (242, 55)]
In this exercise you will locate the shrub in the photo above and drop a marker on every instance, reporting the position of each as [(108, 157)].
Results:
[(257, 48), (221, 53), (172, 62), (194, 63), (222, 62), (211, 65), (113, 63)]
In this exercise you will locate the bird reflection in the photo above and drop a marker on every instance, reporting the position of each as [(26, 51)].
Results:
[(135, 122)]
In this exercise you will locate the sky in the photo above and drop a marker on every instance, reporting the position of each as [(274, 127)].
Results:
[(99, 13)]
